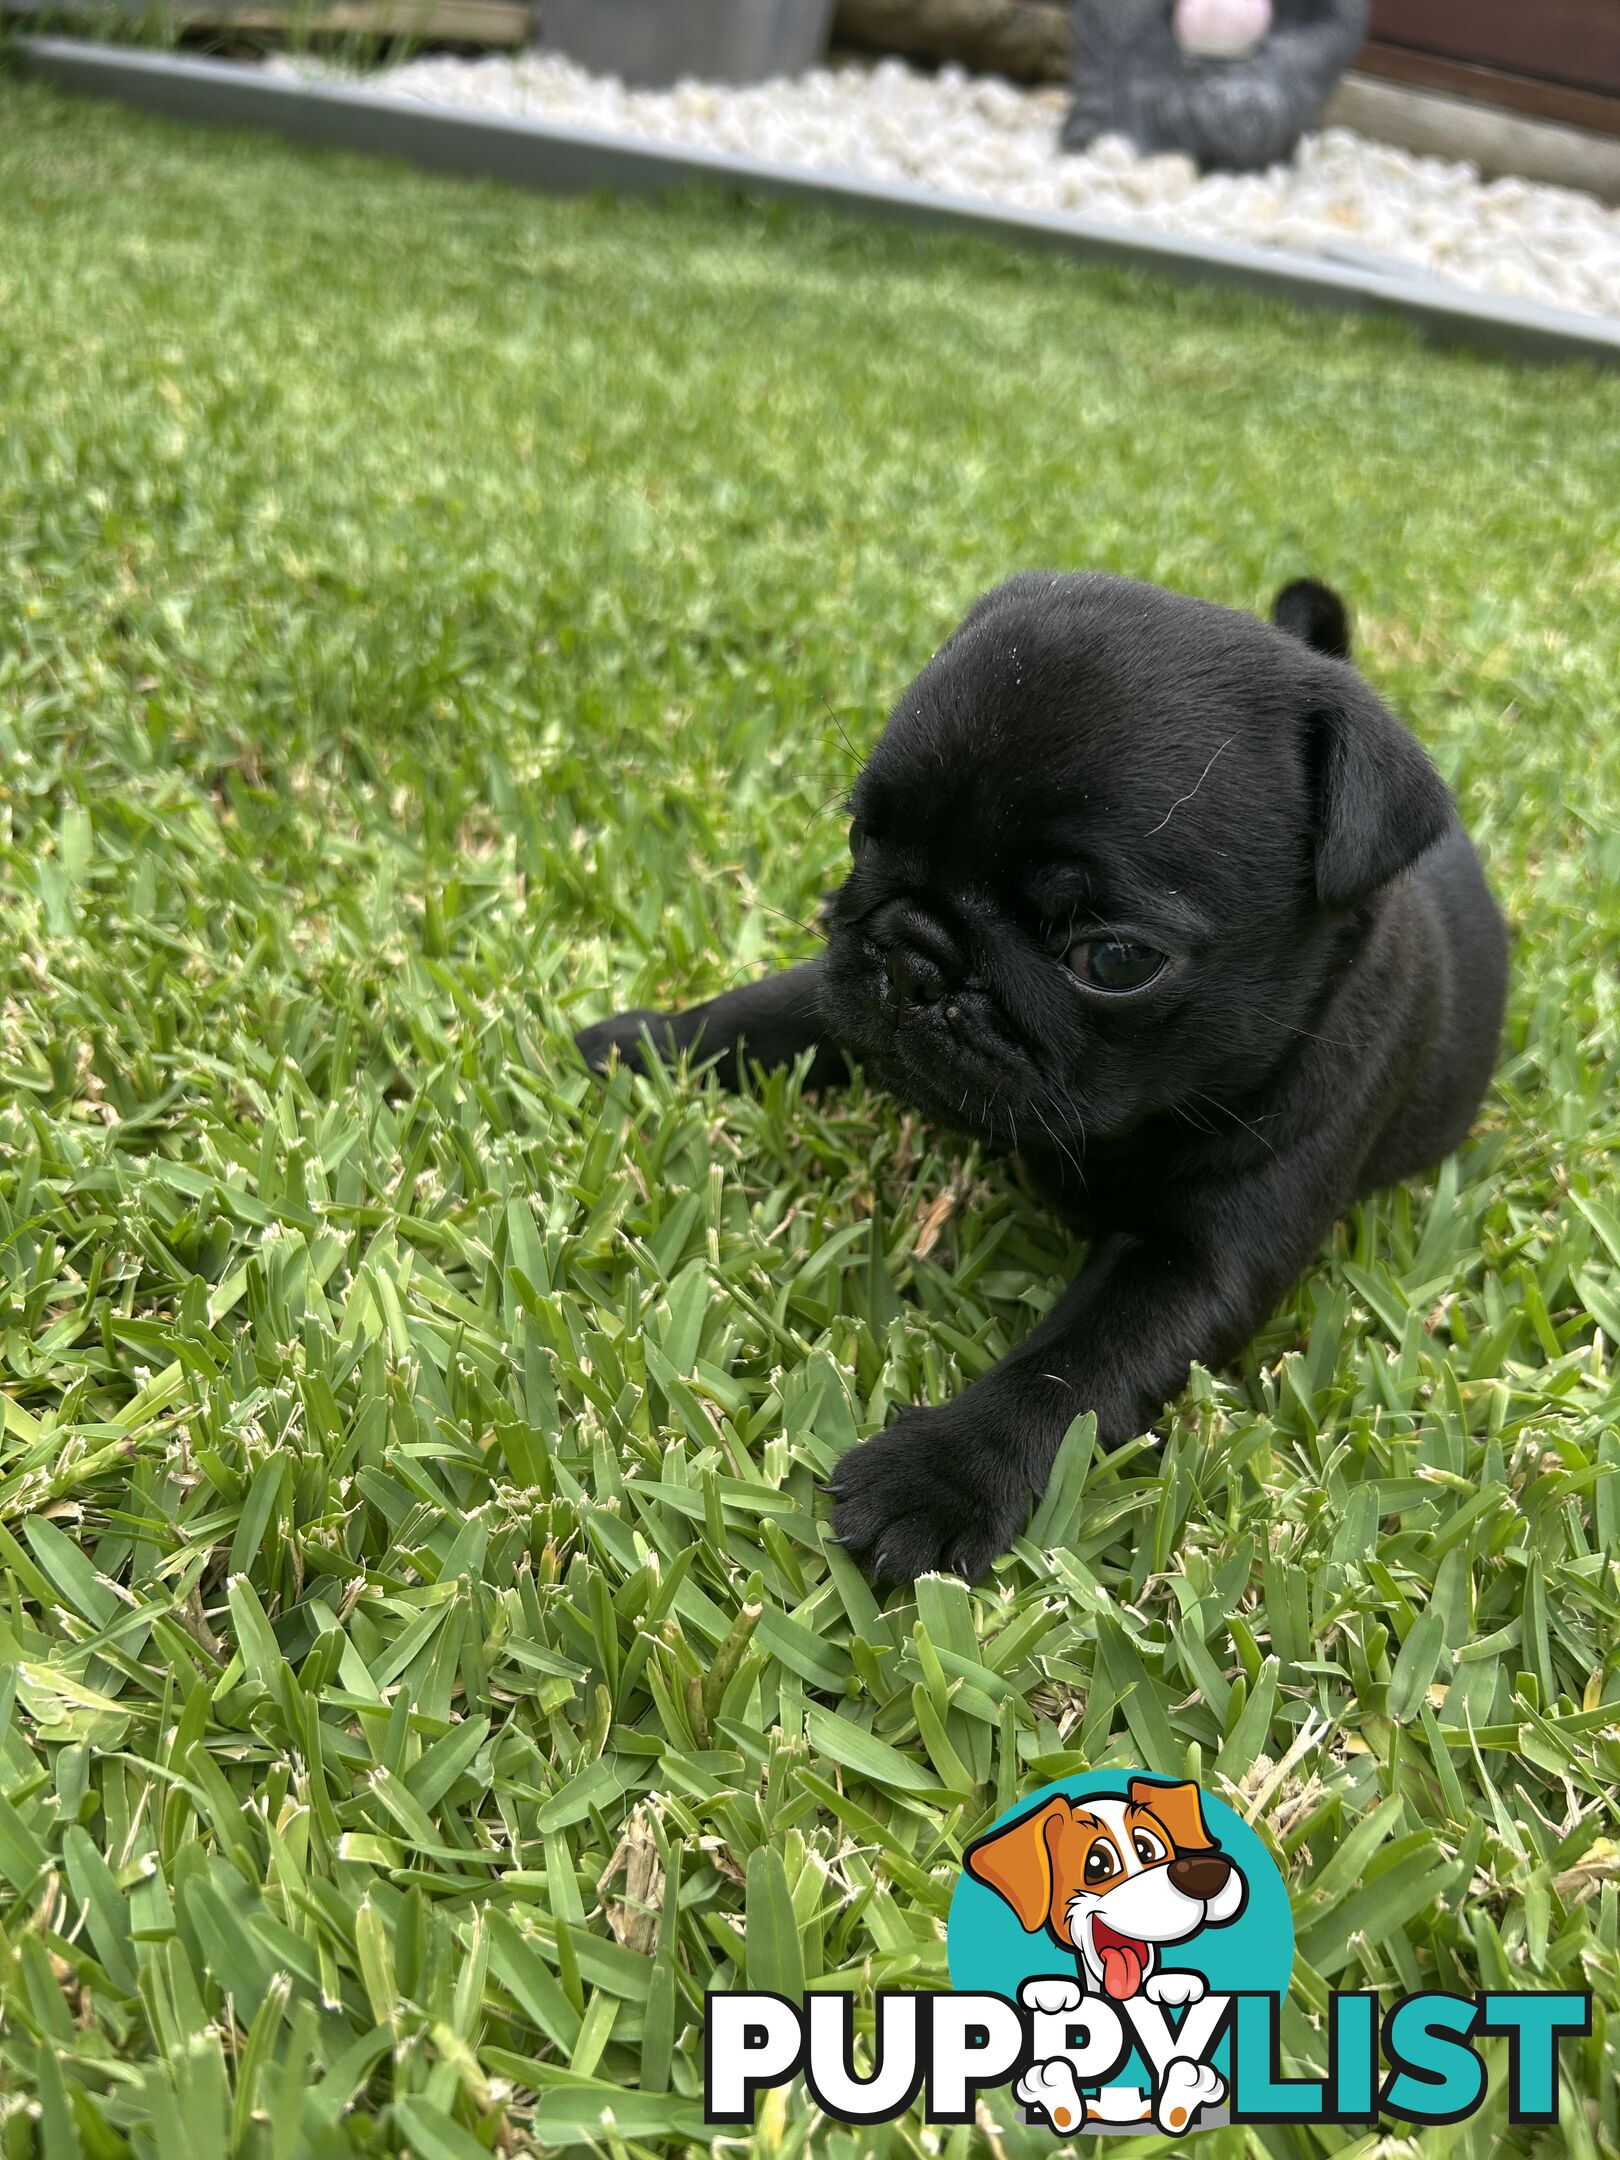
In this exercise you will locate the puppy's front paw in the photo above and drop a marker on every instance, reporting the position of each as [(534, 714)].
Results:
[(1176, 1987), (927, 1495), (625, 1033)]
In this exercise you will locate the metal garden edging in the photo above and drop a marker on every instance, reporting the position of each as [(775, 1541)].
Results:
[(345, 116)]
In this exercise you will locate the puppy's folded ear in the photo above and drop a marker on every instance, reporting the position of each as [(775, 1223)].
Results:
[(1379, 803), (1315, 614), (1017, 1864), (1179, 1808)]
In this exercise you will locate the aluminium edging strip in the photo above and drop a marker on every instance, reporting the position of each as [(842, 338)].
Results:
[(447, 138)]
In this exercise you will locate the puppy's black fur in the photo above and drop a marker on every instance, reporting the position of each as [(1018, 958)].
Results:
[(1167, 899)]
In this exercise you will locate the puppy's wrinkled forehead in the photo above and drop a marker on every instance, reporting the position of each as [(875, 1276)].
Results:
[(1076, 712)]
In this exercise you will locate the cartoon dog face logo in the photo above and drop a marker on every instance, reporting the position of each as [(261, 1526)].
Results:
[(1112, 1878)]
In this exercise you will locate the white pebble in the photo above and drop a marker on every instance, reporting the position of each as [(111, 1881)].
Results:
[(977, 136)]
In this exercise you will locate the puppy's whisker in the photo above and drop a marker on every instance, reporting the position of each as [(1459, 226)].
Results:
[(1062, 1149), (1226, 1111), (1334, 1042), (839, 799), (810, 929), (1063, 1101), (850, 750)]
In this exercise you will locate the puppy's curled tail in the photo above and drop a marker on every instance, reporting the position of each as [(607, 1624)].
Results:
[(1314, 614)]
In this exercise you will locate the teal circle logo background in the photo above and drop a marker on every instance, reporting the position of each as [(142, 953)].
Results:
[(988, 1950)]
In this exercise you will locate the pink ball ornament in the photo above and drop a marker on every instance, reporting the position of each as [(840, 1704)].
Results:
[(1221, 29)]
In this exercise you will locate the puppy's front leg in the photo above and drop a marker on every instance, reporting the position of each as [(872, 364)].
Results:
[(767, 1023), (950, 1488)]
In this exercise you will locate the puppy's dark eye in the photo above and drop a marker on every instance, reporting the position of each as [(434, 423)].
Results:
[(1101, 1862), (859, 841), (1115, 963)]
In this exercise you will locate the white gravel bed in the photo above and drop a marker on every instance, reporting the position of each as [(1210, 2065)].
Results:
[(1342, 197)]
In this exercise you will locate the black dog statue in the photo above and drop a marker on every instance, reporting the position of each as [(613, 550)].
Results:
[(1232, 83), (1169, 901)]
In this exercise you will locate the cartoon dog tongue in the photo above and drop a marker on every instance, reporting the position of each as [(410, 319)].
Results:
[(1122, 1962)]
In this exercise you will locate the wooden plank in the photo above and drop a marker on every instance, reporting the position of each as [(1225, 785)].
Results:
[(1501, 144), (1591, 110), (1575, 42), (1029, 40)]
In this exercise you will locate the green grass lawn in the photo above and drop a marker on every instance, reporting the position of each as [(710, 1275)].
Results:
[(430, 615)]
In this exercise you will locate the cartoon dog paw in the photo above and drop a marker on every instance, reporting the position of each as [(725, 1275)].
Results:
[(1185, 2088), (1049, 2089), (1176, 1987), (1051, 1995)]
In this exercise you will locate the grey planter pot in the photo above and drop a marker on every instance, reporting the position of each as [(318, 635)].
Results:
[(659, 41)]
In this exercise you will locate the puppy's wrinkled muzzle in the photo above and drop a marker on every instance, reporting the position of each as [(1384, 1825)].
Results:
[(913, 977), (916, 935)]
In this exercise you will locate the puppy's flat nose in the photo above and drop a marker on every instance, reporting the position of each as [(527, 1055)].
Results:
[(1200, 1875), (914, 977)]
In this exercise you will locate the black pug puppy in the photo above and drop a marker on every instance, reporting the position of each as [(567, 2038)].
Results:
[(1168, 900)]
